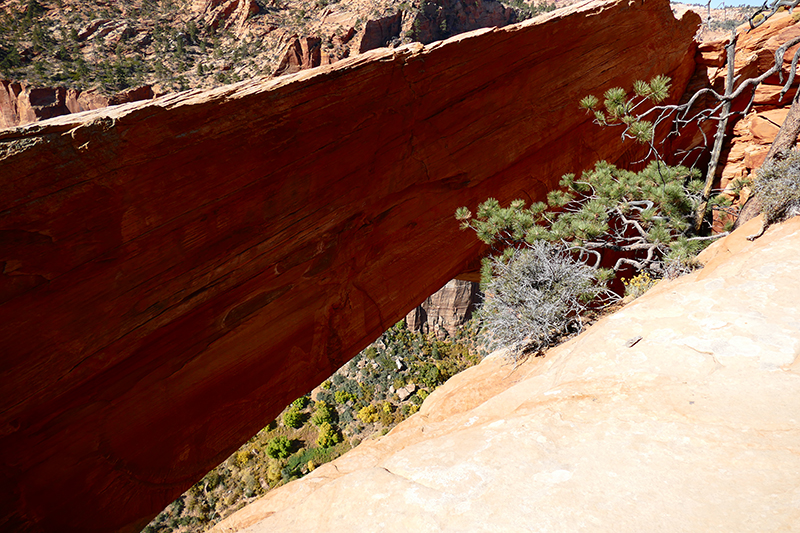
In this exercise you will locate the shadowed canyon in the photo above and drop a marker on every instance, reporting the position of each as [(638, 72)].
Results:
[(177, 270)]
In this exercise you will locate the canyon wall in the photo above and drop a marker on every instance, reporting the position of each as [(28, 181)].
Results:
[(446, 309), (21, 103), (753, 134), (175, 271)]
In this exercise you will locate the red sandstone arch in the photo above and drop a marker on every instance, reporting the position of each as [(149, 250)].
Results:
[(174, 272)]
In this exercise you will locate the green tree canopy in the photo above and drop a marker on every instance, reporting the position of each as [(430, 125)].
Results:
[(279, 448)]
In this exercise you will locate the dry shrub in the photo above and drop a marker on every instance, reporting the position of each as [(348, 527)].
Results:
[(535, 296), (778, 187)]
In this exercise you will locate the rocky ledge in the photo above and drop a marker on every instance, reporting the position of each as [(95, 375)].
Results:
[(677, 413)]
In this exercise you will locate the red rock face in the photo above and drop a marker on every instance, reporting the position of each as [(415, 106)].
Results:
[(225, 13), (749, 136), (440, 19), (176, 271), (302, 53), (22, 104), (379, 32), (753, 134)]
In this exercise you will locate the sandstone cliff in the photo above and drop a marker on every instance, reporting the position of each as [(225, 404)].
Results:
[(677, 413), (446, 309), (176, 271), (754, 133), (21, 103)]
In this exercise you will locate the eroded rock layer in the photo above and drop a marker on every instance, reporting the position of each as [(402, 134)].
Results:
[(174, 272), (677, 413)]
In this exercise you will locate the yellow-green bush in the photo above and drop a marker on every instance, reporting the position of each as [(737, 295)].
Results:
[(368, 414), (638, 285)]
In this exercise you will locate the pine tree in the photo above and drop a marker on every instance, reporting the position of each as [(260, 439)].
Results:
[(646, 215)]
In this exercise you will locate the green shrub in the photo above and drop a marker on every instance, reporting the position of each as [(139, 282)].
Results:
[(301, 402), (212, 479), (343, 397), (242, 457), (368, 414), (324, 396), (274, 472), (279, 447), (367, 392), (324, 414), (328, 435), (293, 418)]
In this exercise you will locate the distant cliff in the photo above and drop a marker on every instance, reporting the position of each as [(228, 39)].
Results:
[(446, 309), (106, 48), (21, 103)]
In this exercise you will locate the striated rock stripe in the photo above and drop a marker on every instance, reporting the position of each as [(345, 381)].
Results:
[(175, 272), (446, 309)]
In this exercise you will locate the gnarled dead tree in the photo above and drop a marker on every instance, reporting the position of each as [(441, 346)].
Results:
[(640, 122)]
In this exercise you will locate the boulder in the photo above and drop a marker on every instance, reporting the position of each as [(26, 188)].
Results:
[(403, 393), (378, 32)]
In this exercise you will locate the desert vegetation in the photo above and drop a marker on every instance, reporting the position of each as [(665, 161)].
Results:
[(777, 187), (537, 294), (110, 47), (555, 260), (546, 267)]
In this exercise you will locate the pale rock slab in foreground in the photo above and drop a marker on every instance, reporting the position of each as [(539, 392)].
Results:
[(693, 428)]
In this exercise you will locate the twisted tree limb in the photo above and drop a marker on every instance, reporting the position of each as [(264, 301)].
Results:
[(722, 126)]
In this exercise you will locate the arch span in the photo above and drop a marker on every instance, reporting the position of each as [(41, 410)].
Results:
[(176, 271)]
